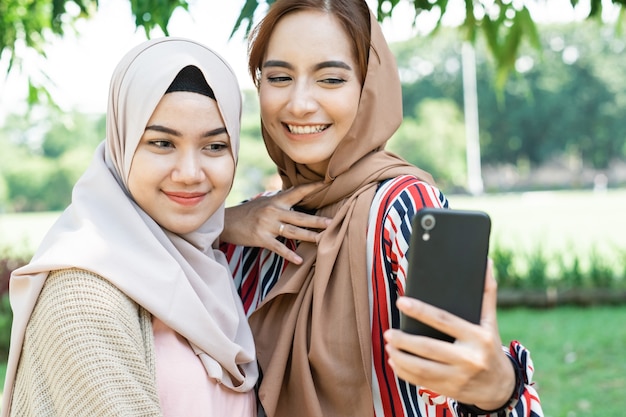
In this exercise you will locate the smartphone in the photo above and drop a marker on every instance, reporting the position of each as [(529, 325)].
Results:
[(447, 260)]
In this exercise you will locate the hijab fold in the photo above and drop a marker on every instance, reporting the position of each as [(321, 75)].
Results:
[(313, 331), (180, 279)]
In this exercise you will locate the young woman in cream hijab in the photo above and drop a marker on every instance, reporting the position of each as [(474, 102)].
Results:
[(127, 309), (330, 99)]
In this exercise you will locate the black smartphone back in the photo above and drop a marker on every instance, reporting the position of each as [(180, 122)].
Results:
[(447, 263)]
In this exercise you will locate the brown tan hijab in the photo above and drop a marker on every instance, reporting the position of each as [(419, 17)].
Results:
[(180, 279), (313, 331)]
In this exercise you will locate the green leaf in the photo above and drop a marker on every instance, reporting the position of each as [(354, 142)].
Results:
[(490, 31), (529, 28), (596, 8), (469, 25), (246, 14)]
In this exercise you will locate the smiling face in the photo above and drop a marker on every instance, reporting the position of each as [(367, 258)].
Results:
[(183, 167), (310, 87)]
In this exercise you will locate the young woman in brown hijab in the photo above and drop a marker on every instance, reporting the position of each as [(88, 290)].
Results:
[(127, 309), (330, 99)]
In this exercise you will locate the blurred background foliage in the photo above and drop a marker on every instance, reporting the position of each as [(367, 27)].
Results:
[(506, 26), (565, 97), (561, 110)]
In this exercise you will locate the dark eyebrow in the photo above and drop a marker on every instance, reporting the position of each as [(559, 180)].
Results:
[(173, 132), (277, 63), (333, 64), (321, 65)]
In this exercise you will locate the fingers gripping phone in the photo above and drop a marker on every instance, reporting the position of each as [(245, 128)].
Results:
[(447, 261)]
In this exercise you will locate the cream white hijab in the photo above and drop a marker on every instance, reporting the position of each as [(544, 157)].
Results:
[(181, 280)]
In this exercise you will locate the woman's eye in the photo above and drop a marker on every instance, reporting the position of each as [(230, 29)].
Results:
[(278, 79), (332, 81), (161, 143), (217, 147)]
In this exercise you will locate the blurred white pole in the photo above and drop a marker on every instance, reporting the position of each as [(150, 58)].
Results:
[(470, 99)]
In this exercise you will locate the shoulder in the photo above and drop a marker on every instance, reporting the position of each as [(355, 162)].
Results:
[(83, 277), (395, 203), (406, 194), (86, 336), (81, 296), (78, 309), (79, 284)]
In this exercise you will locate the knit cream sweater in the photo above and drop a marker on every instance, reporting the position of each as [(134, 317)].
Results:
[(88, 351)]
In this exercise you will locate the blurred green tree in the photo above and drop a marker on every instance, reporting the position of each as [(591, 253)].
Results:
[(434, 139), (504, 24), (42, 157), (567, 99)]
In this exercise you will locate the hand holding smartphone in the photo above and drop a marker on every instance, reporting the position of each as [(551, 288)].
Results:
[(447, 264)]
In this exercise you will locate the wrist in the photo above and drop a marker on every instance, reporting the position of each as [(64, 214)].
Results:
[(498, 406)]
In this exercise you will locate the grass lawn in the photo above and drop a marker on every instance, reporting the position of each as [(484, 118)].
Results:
[(578, 355), (555, 221), (21, 233)]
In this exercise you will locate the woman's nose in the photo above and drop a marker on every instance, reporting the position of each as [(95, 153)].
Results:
[(302, 100), (188, 168)]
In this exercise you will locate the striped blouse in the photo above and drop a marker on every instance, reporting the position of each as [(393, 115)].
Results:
[(395, 203)]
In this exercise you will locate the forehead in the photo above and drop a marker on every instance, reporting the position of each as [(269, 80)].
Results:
[(182, 107), (312, 34)]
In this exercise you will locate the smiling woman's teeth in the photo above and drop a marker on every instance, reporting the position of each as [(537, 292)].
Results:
[(303, 130)]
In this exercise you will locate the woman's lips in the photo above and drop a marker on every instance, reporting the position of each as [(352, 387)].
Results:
[(184, 198)]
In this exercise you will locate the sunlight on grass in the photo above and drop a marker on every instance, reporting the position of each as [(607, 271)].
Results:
[(21, 233), (571, 222), (578, 355)]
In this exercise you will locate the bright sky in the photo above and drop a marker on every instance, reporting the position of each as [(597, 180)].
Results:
[(80, 66)]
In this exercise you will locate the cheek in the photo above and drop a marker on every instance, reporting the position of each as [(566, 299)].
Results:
[(351, 106), (269, 101), (136, 180), (146, 172), (221, 171)]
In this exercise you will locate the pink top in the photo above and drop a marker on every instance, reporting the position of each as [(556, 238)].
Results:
[(183, 385)]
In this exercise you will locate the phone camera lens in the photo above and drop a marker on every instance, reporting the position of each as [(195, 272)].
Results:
[(428, 222)]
